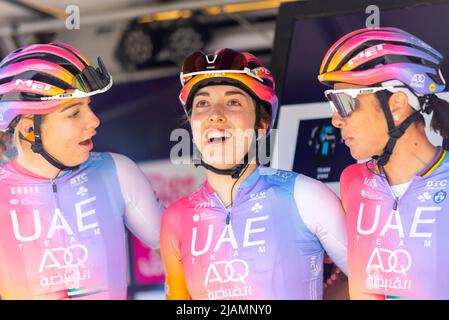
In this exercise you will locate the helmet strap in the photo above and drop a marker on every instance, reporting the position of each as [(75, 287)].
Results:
[(234, 172), (38, 147), (426, 107), (394, 132)]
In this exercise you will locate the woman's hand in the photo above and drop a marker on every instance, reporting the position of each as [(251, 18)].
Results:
[(336, 286)]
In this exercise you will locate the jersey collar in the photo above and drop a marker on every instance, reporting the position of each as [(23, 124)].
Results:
[(248, 182), (24, 171), (431, 167), (434, 164)]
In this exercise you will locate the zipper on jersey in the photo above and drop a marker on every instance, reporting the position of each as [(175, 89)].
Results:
[(54, 186), (228, 210), (53, 183), (396, 199), (65, 240)]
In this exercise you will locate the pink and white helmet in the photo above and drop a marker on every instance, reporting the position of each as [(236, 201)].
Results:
[(34, 79), (375, 56)]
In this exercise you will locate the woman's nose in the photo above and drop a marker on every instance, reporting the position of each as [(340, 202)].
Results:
[(94, 122), (337, 120), (217, 114)]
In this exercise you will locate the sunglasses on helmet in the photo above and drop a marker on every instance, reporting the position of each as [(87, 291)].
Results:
[(87, 83), (224, 61)]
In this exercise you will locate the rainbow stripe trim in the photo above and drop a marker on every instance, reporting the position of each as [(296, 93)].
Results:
[(434, 164), (431, 167)]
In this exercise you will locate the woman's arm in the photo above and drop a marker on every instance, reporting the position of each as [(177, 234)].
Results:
[(175, 282), (323, 214), (143, 210)]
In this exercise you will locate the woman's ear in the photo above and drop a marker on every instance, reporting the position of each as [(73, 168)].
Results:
[(26, 128), (399, 108)]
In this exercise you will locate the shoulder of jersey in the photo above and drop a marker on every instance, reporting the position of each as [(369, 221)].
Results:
[(11, 175), (187, 201), (96, 158), (4, 173), (355, 168), (278, 177)]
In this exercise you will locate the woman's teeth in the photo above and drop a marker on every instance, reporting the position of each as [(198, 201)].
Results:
[(218, 136)]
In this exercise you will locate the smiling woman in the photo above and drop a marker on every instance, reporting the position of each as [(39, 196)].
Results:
[(223, 120), (64, 208), (249, 232)]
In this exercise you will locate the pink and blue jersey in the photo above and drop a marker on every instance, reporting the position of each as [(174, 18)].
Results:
[(397, 246), (269, 245), (65, 238)]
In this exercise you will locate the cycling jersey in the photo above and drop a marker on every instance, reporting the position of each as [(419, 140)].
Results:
[(269, 245), (65, 238), (397, 246)]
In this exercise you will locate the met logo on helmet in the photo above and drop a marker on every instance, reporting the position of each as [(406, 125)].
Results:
[(35, 85), (372, 51)]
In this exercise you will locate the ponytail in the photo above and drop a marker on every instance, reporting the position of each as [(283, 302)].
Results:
[(440, 117)]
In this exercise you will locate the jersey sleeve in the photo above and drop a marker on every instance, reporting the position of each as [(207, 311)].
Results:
[(143, 210), (175, 282), (322, 213)]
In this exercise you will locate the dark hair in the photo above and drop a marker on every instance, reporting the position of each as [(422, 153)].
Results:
[(4, 137), (265, 116), (440, 116)]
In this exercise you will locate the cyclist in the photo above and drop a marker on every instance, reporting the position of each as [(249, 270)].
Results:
[(383, 80), (64, 208), (249, 232)]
